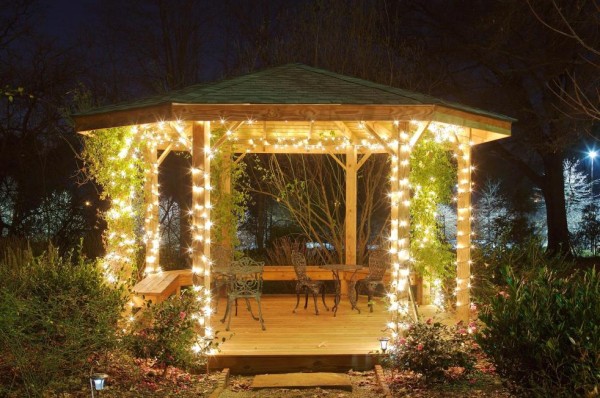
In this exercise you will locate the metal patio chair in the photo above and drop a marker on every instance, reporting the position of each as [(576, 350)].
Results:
[(246, 282), (305, 284), (378, 265)]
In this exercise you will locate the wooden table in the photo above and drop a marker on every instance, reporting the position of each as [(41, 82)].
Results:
[(335, 270)]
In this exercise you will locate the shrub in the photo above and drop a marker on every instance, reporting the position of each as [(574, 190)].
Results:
[(55, 315), (543, 332), (166, 333), (524, 261), (432, 349)]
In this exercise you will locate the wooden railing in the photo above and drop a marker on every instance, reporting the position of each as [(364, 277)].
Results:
[(158, 287)]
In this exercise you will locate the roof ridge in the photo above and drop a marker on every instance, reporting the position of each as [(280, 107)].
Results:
[(236, 80), (364, 82)]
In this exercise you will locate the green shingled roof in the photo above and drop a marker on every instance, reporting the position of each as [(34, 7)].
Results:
[(291, 84)]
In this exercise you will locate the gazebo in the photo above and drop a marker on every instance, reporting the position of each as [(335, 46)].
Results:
[(298, 109)]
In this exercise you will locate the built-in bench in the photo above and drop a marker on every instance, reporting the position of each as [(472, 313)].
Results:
[(158, 287)]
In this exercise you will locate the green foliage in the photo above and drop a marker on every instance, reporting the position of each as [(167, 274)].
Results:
[(432, 176), (166, 332), (543, 330), (55, 315), (587, 237), (229, 208), (432, 349), (111, 158), (524, 261)]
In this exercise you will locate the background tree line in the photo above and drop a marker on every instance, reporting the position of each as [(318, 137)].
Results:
[(534, 61)]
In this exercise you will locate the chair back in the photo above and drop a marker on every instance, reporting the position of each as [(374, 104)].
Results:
[(299, 263), (247, 280), (378, 264), (221, 256)]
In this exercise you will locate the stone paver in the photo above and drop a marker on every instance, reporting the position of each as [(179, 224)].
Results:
[(303, 380)]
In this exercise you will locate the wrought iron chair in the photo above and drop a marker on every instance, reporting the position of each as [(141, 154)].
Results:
[(222, 256), (305, 284), (246, 282), (378, 264)]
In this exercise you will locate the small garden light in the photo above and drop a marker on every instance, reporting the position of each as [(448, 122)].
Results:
[(383, 342), (97, 382)]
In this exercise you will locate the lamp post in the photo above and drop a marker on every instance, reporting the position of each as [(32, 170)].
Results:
[(592, 155), (383, 343), (97, 382)]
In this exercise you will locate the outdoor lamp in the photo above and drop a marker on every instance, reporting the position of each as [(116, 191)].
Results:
[(97, 381), (383, 342)]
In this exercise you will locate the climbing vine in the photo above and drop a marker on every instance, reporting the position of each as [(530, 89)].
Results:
[(432, 176), (229, 205), (112, 159)]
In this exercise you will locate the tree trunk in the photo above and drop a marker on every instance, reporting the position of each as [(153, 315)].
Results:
[(553, 189), (261, 216)]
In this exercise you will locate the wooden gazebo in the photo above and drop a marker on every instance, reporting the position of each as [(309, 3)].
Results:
[(290, 109)]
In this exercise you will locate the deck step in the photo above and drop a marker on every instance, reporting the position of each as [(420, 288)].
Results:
[(263, 364), (303, 380)]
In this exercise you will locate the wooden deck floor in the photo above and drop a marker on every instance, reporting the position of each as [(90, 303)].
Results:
[(300, 341), (303, 332)]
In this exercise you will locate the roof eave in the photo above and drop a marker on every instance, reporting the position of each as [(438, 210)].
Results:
[(129, 117), (494, 127)]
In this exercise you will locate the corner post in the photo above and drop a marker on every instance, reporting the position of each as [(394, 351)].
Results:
[(151, 220), (463, 229), (201, 206)]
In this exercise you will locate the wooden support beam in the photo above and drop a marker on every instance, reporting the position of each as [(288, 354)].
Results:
[(289, 149), (420, 130), (364, 158), (165, 153), (230, 130), (151, 199), (463, 230), (342, 164), (225, 187), (350, 220), (400, 226), (179, 130), (369, 127), (201, 203), (239, 158), (345, 130)]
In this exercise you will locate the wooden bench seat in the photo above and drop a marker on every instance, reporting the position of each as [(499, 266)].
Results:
[(158, 287)]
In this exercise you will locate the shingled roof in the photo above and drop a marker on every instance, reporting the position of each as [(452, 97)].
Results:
[(292, 84)]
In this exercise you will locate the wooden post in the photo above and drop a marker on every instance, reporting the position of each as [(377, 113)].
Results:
[(225, 186), (201, 202), (463, 229), (350, 220), (400, 223), (151, 198)]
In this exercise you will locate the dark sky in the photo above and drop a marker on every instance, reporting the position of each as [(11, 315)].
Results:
[(62, 18)]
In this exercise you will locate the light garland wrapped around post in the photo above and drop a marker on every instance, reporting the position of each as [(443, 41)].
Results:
[(201, 225), (463, 230), (152, 222), (400, 296)]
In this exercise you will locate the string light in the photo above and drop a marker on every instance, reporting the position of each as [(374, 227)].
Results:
[(313, 139)]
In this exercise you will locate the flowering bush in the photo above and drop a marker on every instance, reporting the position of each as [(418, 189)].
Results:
[(166, 333), (436, 351)]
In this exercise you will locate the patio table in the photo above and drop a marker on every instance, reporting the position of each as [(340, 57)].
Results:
[(335, 270)]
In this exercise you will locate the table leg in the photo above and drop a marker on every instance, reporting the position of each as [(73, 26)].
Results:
[(337, 297)]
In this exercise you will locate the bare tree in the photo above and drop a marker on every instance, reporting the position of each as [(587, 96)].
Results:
[(578, 21), (312, 189)]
